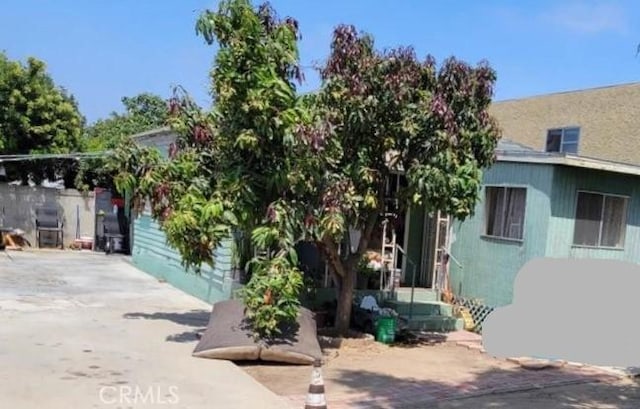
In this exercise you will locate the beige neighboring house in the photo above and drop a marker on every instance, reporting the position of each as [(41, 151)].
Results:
[(602, 123)]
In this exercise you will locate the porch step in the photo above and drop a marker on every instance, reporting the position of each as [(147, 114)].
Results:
[(419, 294), (426, 308), (433, 323)]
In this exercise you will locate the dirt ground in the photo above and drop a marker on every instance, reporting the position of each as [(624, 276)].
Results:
[(376, 364), (367, 374)]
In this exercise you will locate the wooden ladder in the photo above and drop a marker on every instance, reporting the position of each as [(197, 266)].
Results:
[(440, 279), (389, 252)]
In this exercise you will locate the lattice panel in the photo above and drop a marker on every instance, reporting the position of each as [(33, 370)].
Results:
[(478, 311)]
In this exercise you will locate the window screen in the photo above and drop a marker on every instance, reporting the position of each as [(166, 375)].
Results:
[(505, 209), (600, 220)]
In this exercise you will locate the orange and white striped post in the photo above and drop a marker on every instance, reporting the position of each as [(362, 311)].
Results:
[(315, 397)]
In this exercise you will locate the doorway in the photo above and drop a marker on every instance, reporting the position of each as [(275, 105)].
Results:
[(435, 245)]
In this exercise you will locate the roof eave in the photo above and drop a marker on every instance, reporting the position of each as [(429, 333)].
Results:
[(152, 132), (568, 160)]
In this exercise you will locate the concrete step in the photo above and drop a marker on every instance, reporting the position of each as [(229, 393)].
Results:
[(419, 294), (432, 308), (433, 323)]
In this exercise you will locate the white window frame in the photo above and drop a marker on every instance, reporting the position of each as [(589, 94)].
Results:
[(624, 219), (485, 227), (562, 142)]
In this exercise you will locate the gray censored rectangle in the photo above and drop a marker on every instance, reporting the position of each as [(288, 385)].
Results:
[(578, 310)]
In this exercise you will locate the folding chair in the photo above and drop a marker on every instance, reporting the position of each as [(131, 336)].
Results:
[(112, 232), (48, 221)]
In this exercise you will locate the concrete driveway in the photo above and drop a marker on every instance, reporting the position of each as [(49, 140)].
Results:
[(84, 330)]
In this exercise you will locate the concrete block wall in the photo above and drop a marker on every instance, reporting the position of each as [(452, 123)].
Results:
[(18, 206)]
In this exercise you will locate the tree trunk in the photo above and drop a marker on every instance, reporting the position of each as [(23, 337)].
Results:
[(345, 302)]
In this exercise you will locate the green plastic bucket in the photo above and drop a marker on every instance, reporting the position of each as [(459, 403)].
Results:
[(386, 330)]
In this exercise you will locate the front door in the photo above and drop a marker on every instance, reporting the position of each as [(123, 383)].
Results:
[(440, 250), (435, 242)]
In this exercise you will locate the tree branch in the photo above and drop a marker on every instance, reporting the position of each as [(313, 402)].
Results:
[(333, 258), (369, 226)]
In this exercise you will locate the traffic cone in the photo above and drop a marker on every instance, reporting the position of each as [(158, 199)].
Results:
[(315, 397)]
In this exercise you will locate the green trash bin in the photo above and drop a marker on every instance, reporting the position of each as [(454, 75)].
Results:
[(386, 330)]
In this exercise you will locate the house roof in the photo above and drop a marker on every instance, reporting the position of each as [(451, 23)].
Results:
[(507, 145), (611, 87), (152, 133), (605, 115), (508, 151)]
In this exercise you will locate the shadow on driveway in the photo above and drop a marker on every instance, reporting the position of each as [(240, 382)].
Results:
[(198, 319)]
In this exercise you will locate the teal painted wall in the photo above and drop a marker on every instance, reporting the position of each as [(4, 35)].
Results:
[(152, 255), (566, 183), (489, 265)]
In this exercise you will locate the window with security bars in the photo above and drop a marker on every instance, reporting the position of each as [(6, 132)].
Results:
[(504, 211), (601, 220)]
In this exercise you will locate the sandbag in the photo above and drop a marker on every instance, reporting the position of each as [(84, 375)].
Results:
[(227, 336)]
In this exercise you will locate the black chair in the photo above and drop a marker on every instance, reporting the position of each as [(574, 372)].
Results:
[(112, 232), (48, 221)]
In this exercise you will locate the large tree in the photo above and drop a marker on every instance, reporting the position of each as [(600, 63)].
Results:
[(385, 112), (286, 168), (142, 112), (36, 116)]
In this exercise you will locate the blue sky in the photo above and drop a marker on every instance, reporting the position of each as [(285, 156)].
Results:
[(103, 50)]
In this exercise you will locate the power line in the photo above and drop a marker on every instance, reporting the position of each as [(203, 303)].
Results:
[(33, 157)]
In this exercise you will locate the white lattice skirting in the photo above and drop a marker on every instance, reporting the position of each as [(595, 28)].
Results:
[(479, 312)]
